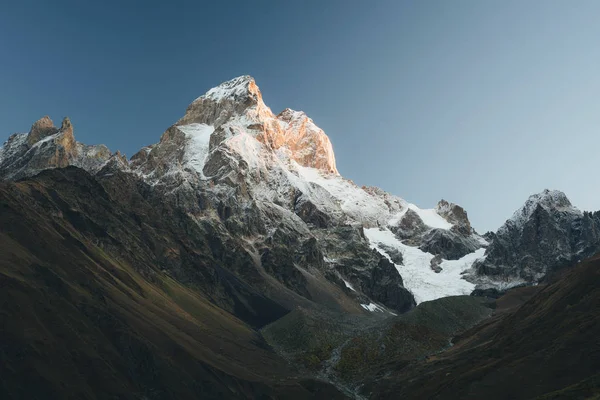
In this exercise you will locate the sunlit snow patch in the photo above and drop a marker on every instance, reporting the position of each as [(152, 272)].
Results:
[(418, 277)]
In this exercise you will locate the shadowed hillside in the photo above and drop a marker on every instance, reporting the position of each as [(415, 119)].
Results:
[(86, 313)]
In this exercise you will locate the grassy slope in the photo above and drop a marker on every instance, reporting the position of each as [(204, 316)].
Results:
[(364, 347), (548, 348)]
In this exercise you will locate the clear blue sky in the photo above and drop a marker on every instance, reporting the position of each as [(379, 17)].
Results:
[(478, 102)]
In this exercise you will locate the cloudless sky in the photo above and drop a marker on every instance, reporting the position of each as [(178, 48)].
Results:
[(478, 102)]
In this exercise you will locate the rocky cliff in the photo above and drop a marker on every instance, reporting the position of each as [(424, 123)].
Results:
[(544, 235)]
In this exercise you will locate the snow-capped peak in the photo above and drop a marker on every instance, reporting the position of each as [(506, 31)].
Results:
[(235, 88), (235, 108), (547, 199)]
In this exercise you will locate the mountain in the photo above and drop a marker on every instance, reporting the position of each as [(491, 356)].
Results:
[(232, 260), (546, 234), (269, 184)]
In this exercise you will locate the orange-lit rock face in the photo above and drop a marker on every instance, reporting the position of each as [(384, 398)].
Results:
[(42, 128), (46, 146), (236, 106), (308, 144)]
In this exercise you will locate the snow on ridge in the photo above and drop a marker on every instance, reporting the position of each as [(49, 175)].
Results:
[(548, 199), (430, 217), (416, 272), (231, 88), (358, 204), (12, 145)]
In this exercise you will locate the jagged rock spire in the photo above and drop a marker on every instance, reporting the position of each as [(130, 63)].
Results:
[(66, 126), (46, 146)]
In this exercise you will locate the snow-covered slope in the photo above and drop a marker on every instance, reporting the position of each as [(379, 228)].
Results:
[(416, 268)]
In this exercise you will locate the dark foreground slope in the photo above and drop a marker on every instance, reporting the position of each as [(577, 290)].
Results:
[(548, 348), (87, 313)]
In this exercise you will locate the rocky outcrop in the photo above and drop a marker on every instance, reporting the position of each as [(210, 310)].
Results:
[(310, 213), (307, 143), (448, 244), (456, 215), (41, 129), (410, 227), (386, 287)]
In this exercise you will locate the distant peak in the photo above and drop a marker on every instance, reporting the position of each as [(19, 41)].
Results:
[(547, 197), (443, 205), (548, 200), (454, 214)]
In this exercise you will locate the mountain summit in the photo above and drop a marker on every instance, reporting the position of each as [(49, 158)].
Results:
[(545, 234), (237, 106), (268, 185)]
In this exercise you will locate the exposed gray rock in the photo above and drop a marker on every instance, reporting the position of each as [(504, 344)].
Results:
[(46, 147), (435, 264), (350, 255), (386, 287), (448, 244), (394, 254), (545, 234), (310, 213), (410, 226)]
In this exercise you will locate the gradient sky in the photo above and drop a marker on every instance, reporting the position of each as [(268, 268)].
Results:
[(479, 102)]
